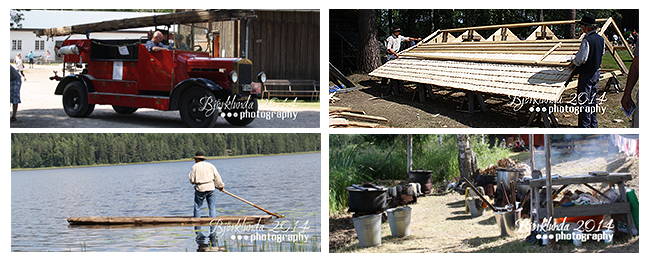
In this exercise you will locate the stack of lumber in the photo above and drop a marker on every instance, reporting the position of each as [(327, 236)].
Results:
[(347, 117)]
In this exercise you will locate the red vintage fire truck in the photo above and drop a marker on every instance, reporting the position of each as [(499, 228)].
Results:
[(124, 74)]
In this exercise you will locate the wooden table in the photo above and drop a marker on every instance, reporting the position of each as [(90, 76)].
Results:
[(621, 207)]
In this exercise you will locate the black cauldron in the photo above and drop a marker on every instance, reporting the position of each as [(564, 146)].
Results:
[(366, 198)]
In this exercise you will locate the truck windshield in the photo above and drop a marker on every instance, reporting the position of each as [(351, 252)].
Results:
[(191, 38)]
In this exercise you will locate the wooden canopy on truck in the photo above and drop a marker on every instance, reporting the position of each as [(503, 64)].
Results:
[(155, 20)]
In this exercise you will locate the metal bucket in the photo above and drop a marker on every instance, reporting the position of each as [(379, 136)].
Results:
[(508, 221), (474, 210), (368, 230), (399, 220)]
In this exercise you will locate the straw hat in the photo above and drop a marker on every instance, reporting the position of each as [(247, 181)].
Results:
[(199, 155)]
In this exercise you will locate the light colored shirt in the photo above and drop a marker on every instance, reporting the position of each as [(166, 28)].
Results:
[(394, 43), (205, 177), (583, 52)]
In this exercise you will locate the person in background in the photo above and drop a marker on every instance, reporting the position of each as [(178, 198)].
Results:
[(48, 57), (206, 180), (31, 59), (632, 78), (14, 92), (19, 65)]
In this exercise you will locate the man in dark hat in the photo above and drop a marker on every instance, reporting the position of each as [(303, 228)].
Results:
[(587, 66), (206, 179)]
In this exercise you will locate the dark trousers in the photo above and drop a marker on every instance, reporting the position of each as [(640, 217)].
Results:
[(587, 99)]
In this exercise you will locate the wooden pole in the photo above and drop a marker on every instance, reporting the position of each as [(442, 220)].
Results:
[(276, 215), (549, 196), (409, 153)]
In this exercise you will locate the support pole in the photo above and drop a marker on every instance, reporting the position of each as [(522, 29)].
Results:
[(549, 196)]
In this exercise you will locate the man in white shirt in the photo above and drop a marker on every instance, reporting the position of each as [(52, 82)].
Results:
[(206, 179), (394, 42)]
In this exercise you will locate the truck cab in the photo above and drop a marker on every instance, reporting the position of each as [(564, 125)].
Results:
[(124, 74)]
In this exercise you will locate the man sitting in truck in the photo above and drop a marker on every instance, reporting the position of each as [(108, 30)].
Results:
[(155, 44)]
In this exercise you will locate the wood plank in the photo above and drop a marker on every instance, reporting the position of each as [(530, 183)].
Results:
[(359, 116), (167, 220), (587, 210), (617, 58), (549, 52), (578, 179)]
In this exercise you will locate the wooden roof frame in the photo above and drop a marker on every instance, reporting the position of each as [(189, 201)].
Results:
[(428, 62), (542, 33)]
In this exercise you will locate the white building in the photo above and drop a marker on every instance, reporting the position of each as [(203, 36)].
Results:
[(23, 40)]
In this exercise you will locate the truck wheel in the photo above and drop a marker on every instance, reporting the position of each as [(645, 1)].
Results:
[(198, 108), (235, 116), (75, 100), (125, 110)]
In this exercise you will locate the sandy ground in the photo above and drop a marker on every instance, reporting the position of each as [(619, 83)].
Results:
[(41, 108), (440, 224)]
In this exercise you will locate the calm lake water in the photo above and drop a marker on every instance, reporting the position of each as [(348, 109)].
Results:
[(42, 200)]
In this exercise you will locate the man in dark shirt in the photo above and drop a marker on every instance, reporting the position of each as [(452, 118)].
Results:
[(155, 44), (587, 66)]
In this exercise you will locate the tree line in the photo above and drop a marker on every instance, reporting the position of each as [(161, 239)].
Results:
[(38, 150)]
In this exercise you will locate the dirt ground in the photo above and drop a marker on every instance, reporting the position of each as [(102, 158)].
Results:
[(40, 108), (405, 110), (439, 223)]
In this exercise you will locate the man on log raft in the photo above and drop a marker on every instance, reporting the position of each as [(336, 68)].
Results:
[(206, 179)]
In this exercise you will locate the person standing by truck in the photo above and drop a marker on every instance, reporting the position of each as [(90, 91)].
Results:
[(206, 179)]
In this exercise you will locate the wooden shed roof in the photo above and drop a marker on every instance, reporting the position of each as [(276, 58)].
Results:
[(535, 68)]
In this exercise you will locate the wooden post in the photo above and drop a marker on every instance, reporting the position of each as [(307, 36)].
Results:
[(531, 147), (409, 153), (549, 196)]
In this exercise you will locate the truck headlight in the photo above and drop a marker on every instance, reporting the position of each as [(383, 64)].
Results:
[(261, 77), (233, 76)]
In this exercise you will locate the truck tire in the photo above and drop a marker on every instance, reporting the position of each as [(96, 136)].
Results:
[(198, 107), (125, 110), (236, 118), (75, 100)]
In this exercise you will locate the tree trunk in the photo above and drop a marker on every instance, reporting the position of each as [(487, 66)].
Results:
[(467, 163), (369, 58), (570, 29)]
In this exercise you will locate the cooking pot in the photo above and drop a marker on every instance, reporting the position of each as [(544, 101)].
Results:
[(366, 198), (506, 175)]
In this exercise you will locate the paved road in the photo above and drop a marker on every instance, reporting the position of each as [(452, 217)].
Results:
[(40, 108)]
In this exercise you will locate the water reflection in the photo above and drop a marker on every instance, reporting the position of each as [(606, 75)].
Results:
[(206, 239)]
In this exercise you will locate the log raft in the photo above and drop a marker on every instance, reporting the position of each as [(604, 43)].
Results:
[(180, 220)]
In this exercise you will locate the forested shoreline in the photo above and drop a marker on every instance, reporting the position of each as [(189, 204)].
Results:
[(40, 150)]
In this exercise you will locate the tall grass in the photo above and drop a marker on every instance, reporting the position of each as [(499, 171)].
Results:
[(362, 159)]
